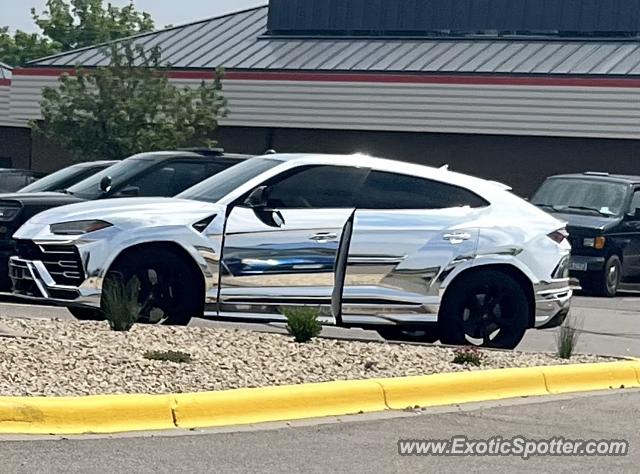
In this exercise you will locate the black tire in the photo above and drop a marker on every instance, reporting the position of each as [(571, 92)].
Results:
[(86, 314), (487, 308), (168, 284), (429, 335), (607, 282)]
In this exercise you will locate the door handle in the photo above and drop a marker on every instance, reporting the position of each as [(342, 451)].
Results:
[(457, 237), (323, 237)]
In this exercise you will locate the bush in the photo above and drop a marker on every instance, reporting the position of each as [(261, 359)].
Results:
[(169, 356), (567, 337), (302, 323), (120, 302), (468, 355)]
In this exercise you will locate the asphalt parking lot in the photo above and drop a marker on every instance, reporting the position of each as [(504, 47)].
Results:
[(609, 326)]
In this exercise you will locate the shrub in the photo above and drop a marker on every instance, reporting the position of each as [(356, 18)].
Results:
[(169, 356), (468, 355), (120, 302), (567, 336), (302, 323)]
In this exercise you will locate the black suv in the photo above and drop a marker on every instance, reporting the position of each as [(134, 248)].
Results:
[(66, 177), (158, 174), (603, 216)]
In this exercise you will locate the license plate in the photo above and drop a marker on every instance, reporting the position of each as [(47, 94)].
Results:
[(578, 266)]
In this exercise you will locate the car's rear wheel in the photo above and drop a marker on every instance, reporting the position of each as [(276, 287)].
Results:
[(86, 314), (488, 308), (425, 334), (170, 292), (606, 283)]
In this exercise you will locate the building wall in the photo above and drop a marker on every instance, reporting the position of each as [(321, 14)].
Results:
[(521, 162), (589, 108), (15, 147)]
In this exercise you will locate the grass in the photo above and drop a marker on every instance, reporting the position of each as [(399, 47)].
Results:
[(567, 336), (468, 356), (169, 356), (120, 302), (302, 322)]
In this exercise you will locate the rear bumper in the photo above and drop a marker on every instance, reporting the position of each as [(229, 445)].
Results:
[(553, 301)]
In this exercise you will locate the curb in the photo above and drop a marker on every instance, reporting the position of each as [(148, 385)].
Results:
[(122, 413)]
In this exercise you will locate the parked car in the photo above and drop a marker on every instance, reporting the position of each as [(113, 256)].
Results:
[(147, 174), (66, 177), (372, 243), (12, 180), (603, 215)]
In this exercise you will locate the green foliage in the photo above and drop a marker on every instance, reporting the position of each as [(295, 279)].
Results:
[(302, 323), (22, 47), (567, 337), (120, 302), (169, 356), (468, 355), (129, 107), (70, 24)]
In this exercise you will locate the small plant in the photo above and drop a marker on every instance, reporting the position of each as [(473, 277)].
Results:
[(302, 323), (468, 356), (567, 336), (169, 356), (120, 302)]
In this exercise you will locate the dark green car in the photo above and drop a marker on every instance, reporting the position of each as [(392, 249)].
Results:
[(602, 212)]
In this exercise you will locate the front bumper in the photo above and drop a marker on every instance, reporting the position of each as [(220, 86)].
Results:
[(553, 301), (580, 264), (32, 280)]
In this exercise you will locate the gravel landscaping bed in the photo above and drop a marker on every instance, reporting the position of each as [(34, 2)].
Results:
[(81, 358)]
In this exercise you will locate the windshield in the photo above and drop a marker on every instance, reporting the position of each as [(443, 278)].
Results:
[(120, 173), (581, 196), (218, 186), (53, 182)]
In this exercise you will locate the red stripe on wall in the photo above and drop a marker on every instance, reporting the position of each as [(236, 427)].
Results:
[(378, 78), (5, 82)]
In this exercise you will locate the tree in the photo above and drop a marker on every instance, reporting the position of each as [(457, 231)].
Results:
[(71, 24), (129, 107)]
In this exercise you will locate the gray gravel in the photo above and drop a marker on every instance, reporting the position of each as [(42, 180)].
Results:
[(61, 357)]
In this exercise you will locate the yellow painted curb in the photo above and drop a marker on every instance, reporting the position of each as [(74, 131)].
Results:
[(291, 402), (462, 387), (120, 413), (75, 415)]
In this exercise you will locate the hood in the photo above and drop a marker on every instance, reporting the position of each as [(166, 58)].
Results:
[(128, 212), (54, 199), (577, 222)]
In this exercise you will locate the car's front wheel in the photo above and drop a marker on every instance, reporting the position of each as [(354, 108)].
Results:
[(606, 283), (170, 292), (487, 308)]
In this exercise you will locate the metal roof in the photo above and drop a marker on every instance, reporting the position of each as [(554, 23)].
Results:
[(239, 41), (5, 71)]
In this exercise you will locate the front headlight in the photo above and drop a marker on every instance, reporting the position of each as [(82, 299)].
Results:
[(7, 214), (78, 227), (595, 242)]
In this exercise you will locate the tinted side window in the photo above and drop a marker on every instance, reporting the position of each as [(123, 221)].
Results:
[(384, 190), (316, 187), (635, 202)]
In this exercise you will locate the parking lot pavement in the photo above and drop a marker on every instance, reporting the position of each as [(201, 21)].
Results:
[(367, 443), (610, 326)]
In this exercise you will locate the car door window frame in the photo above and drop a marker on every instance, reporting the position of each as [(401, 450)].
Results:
[(361, 198)]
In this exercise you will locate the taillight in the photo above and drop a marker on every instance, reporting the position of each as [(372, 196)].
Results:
[(559, 235)]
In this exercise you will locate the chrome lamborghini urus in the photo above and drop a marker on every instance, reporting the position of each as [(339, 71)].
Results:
[(411, 251)]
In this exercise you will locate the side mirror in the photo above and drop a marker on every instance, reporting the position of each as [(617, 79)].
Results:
[(258, 198), (105, 184)]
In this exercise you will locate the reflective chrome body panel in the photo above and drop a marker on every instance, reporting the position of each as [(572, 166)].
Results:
[(362, 267)]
